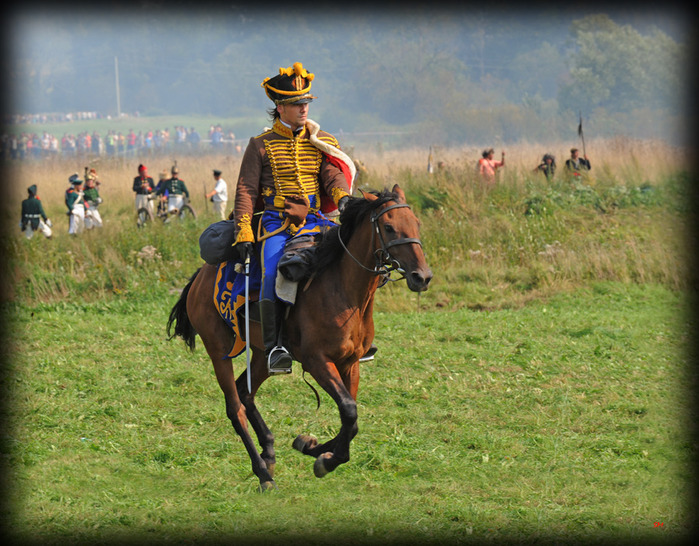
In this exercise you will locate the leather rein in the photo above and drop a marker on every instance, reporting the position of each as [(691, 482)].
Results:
[(385, 263)]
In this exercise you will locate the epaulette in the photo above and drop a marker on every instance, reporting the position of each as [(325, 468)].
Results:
[(330, 139), (264, 133)]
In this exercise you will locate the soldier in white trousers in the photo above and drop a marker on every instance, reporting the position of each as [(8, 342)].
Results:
[(219, 195), (76, 206)]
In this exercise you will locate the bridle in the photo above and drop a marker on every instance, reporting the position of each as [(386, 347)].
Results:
[(385, 263)]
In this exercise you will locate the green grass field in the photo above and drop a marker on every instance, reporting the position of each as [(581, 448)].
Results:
[(565, 418), (538, 391)]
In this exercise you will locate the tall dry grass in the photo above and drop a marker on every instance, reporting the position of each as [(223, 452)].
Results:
[(622, 158), (528, 237), (522, 239), (621, 155)]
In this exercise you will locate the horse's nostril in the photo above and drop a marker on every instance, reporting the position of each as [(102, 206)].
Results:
[(421, 280)]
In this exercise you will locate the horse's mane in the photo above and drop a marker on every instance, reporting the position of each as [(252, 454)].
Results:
[(329, 250)]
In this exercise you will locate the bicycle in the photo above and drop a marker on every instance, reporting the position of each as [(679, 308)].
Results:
[(144, 215)]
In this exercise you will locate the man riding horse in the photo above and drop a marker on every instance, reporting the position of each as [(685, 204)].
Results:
[(297, 176)]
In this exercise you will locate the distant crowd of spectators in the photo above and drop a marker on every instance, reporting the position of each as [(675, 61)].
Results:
[(115, 143)]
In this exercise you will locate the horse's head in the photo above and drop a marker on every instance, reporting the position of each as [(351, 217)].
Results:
[(398, 242)]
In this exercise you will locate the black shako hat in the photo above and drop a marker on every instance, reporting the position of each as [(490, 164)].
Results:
[(291, 85)]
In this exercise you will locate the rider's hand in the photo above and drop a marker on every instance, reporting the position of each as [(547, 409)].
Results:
[(244, 250), (342, 203)]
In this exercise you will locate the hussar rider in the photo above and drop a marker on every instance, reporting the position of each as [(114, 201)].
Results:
[(290, 169)]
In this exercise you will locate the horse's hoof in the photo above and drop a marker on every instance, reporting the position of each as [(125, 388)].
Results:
[(304, 441), (319, 466), (266, 486)]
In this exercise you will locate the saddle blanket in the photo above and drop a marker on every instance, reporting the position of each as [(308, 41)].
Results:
[(229, 298)]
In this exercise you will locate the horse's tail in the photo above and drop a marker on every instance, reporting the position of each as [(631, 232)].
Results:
[(180, 319)]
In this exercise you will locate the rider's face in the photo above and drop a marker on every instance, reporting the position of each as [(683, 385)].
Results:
[(293, 114)]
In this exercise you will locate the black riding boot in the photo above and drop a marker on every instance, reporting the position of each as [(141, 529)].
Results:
[(278, 358)]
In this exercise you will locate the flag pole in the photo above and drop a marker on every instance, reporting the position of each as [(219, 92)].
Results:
[(581, 135)]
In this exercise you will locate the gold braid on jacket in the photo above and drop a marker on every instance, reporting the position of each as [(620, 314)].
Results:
[(296, 164)]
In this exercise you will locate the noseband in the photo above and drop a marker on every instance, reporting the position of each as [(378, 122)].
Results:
[(385, 263)]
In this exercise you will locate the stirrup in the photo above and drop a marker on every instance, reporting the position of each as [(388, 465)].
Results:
[(282, 364), (369, 354)]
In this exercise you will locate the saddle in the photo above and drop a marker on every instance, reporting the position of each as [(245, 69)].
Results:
[(229, 289), (216, 246)]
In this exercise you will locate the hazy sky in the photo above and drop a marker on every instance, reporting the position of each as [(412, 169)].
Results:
[(36, 32)]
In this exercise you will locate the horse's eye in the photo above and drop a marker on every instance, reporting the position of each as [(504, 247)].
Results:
[(389, 228)]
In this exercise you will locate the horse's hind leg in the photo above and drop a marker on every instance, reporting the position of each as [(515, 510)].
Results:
[(264, 434), (217, 339), (237, 414)]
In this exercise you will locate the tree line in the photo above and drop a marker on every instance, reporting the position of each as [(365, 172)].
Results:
[(448, 76)]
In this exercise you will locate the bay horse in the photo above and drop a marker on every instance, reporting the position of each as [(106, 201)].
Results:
[(328, 329)]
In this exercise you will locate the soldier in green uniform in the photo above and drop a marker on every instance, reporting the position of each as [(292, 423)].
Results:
[(576, 166), (547, 166), (76, 205), (175, 190), (91, 196), (33, 216)]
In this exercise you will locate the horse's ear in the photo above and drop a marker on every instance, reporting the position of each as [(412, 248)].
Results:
[(368, 196), (399, 193)]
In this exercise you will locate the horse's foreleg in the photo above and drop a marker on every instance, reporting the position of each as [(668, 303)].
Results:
[(264, 434), (335, 452)]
